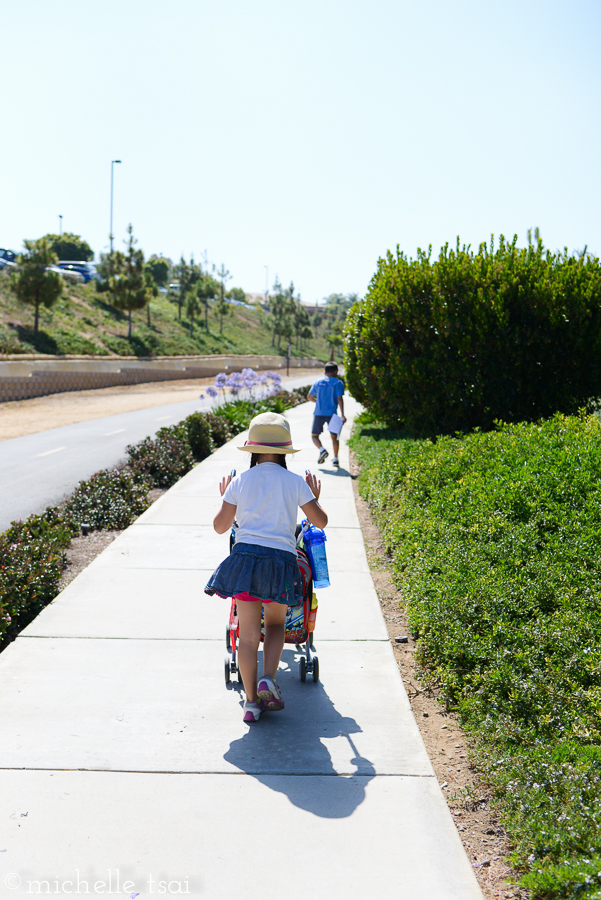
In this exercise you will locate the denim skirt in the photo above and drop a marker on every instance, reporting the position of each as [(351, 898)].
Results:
[(263, 572)]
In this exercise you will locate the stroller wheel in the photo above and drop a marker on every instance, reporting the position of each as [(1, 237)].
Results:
[(302, 669), (315, 669), (228, 640), (227, 670)]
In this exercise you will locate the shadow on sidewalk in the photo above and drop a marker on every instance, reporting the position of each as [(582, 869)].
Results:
[(289, 743), (339, 472)]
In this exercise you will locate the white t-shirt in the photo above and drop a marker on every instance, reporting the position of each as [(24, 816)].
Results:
[(267, 498)]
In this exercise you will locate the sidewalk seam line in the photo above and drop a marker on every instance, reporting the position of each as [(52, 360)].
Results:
[(86, 637), (370, 775)]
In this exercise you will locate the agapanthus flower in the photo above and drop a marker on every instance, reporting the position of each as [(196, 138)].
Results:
[(221, 380), (212, 392)]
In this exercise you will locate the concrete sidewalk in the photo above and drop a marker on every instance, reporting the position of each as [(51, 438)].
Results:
[(125, 767)]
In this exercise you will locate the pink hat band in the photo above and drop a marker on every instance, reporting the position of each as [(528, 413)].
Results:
[(267, 444)]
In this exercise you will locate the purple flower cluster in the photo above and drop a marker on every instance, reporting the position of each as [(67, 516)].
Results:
[(247, 380)]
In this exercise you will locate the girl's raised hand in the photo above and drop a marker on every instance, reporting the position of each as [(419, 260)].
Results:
[(314, 484), (224, 483)]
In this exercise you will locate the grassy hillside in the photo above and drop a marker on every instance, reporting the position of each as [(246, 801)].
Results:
[(84, 322)]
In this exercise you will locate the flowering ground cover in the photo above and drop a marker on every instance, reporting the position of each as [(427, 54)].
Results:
[(495, 542)]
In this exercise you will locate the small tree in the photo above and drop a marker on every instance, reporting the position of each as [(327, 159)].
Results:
[(128, 285), (193, 308), (223, 308), (334, 339), (159, 269), (188, 274), (277, 309), (237, 294), (70, 246), (32, 283), (206, 289), (305, 335), (302, 323), (153, 291)]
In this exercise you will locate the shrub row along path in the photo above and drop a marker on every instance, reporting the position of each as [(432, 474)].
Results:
[(122, 751), (40, 469)]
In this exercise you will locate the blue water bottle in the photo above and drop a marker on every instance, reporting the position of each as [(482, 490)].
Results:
[(315, 545)]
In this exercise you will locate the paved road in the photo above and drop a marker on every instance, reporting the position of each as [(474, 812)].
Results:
[(38, 470)]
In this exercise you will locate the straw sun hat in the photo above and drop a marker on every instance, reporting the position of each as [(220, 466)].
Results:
[(269, 433)]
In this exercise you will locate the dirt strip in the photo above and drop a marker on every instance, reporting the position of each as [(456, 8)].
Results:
[(468, 797), (19, 417)]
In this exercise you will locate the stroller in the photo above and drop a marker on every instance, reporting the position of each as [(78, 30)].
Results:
[(299, 627)]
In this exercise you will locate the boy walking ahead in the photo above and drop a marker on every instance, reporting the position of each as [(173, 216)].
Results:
[(327, 392)]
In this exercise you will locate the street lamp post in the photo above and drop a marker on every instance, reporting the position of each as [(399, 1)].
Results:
[(113, 161), (60, 225), (266, 281)]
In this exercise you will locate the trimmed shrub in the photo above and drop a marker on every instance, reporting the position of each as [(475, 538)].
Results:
[(163, 460), (495, 542), (221, 431), (199, 435), (109, 499), (511, 334), (284, 400), (31, 564)]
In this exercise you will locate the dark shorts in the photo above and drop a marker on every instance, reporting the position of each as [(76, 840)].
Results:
[(319, 422)]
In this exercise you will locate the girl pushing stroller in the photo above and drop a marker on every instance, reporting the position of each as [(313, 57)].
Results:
[(261, 573)]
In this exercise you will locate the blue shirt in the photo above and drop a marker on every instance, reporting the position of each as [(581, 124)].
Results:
[(327, 391)]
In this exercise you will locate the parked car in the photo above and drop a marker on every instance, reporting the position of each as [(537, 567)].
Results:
[(69, 274), (86, 270), (7, 258)]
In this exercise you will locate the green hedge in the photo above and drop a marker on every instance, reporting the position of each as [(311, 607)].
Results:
[(221, 431), (164, 459), (32, 560), (32, 556), (496, 545), (507, 334), (200, 435), (109, 499)]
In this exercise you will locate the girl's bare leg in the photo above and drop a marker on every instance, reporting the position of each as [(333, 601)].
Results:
[(249, 619), (275, 618), (335, 445)]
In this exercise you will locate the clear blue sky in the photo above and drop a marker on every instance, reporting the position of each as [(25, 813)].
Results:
[(309, 137)]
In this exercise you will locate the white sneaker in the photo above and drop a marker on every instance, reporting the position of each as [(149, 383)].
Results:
[(252, 711), (323, 453), (335, 461)]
